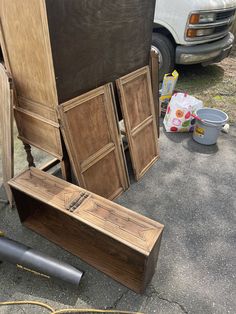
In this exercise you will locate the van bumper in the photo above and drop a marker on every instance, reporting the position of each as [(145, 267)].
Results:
[(205, 53)]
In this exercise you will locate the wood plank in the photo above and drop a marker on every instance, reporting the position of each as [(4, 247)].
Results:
[(154, 65), (4, 49), (96, 42), (50, 164), (121, 243), (25, 30), (37, 108), (66, 170), (139, 116), (39, 132), (6, 124), (93, 141)]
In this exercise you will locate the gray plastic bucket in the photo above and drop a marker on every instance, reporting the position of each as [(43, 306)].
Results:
[(207, 130)]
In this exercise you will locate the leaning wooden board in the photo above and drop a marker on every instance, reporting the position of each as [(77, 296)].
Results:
[(27, 53), (136, 98), (115, 240), (90, 130), (6, 130)]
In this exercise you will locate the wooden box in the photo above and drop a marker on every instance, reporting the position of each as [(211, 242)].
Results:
[(115, 240)]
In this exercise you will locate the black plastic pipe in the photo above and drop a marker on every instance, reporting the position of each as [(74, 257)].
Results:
[(29, 259)]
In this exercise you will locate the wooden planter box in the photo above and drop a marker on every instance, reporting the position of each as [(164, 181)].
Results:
[(115, 240)]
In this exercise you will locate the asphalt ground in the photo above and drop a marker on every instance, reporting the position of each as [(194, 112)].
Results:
[(192, 191)]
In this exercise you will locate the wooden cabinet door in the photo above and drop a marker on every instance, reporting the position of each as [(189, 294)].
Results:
[(137, 106), (90, 129)]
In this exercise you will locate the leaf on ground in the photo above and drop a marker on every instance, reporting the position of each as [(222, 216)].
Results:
[(217, 97)]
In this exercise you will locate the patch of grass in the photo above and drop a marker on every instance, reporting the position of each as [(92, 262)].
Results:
[(215, 84)]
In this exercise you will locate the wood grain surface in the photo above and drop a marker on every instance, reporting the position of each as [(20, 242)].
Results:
[(25, 30), (97, 41), (6, 125), (93, 141), (138, 110), (114, 239), (154, 67), (57, 50), (27, 53), (39, 132)]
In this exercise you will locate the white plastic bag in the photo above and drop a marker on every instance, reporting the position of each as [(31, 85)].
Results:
[(179, 112)]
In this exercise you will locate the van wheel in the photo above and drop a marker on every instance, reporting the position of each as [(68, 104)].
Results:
[(165, 49)]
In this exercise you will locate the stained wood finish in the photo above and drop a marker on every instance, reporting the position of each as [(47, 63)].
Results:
[(137, 106), (6, 124), (66, 170), (49, 165), (29, 156), (3, 50), (39, 132), (68, 47), (57, 50), (25, 30), (115, 240), (27, 52), (93, 142), (37, 109), (97, 41), (154, 66)]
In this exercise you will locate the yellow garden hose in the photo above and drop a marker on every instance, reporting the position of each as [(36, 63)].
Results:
[(49, 308), (93, 311)]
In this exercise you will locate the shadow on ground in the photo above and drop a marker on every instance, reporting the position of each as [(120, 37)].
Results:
[(188, 143)]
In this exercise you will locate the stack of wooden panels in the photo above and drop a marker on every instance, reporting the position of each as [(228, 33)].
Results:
[(96, 151), (65, 56), (115, 240)]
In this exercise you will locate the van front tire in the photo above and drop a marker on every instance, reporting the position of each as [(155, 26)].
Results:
[(166, 53)]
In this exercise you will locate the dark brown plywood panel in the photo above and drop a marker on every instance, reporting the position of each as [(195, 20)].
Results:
[(97, 41)]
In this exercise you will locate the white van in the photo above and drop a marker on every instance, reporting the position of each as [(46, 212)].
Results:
[(192, 31)]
